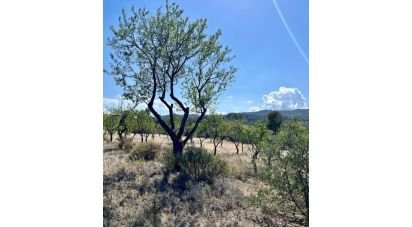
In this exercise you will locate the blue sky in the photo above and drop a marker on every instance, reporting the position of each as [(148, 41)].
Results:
[(273, 73)]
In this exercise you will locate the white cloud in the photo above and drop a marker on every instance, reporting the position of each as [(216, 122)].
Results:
[(254, 109), (117, 101), (250, 101), (285, 99), (230, 97)]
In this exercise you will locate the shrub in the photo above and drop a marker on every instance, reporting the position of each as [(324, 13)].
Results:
[(145, 151), (201, 165), (289, 172), (126, 144), (169, 159)]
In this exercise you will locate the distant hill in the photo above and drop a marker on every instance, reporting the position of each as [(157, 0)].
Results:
[(252, 117)]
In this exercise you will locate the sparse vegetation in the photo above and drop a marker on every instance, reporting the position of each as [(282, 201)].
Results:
[(125, 143), (145, 151), (236, 172), (201, 165), (289, 175)]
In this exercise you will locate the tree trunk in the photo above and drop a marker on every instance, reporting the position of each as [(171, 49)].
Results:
[(141, 138), (177, 152), (111, 137), (237, 148), (242, 147), (120, 136), (254, 163)]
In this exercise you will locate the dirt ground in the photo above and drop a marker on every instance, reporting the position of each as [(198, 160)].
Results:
[(145, 194)]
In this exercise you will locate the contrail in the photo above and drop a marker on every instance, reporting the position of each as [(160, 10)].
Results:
[(290, 32)]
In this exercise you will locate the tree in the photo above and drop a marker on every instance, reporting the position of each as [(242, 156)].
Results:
[(235, 133), (216, 129), (110, 123), (201, 132), (257, 135), (143, 124), (153, 54), (122, 114), (290, 176), (274, 121)]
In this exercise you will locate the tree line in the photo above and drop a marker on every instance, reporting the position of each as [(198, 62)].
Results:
[(281, 147)]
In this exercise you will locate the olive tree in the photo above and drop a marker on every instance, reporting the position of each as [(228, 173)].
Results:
[(216, 129), (164, 56), (121, 115), (257, 135), (110, 123), (142, 124), (235, 133), (290, 175)]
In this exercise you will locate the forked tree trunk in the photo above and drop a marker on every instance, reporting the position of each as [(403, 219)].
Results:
[(237, 147)]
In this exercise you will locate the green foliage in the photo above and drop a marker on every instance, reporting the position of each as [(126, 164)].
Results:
[(274, 121), (253, 117), (145, 151), (110, 123), (216, 129), (235, 132), (154, 54), (202, 131), (201, 165), (289, 175), (257, 135), (140, 122)]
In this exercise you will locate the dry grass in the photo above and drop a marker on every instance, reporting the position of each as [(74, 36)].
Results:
[(143, 193)]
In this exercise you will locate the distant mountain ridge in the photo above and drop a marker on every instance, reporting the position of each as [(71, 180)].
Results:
[(252, 117)]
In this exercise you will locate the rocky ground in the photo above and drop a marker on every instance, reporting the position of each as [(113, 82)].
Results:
[(138, 193)]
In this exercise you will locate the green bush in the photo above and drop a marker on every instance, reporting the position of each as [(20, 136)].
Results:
[(201, 165), (145, 151)]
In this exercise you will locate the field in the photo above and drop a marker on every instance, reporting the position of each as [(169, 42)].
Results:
[(144, 193)]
